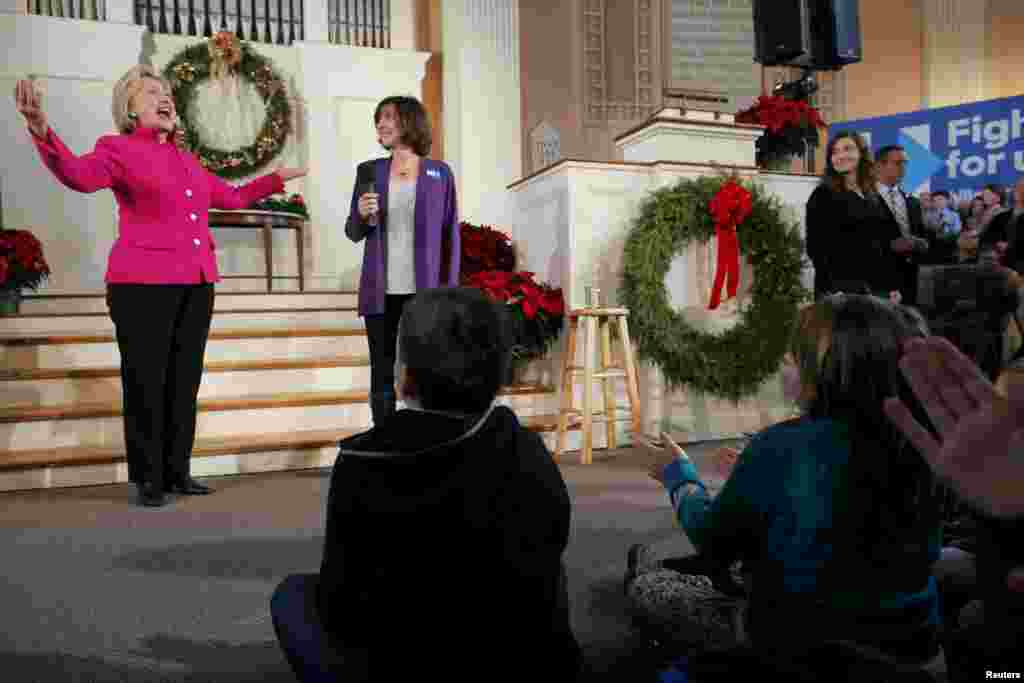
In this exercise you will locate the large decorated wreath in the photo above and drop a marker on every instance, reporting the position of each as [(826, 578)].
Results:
[(734, 363), (222, 54)]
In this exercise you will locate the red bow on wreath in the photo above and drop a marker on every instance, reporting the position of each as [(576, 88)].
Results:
[(730, 206)]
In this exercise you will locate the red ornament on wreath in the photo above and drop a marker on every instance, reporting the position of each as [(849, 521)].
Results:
[(730, 206)]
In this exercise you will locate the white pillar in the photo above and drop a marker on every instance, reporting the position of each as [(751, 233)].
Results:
[(315, 21), (120, 11), (343, 85), (955, 51), (482, 104)]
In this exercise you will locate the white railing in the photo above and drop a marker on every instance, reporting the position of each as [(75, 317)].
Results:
[(363, 23), (94, 10)]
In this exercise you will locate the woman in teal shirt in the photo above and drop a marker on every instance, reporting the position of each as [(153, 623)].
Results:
[(834, 515)]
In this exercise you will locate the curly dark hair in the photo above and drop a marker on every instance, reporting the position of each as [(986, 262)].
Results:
[(413, 119)]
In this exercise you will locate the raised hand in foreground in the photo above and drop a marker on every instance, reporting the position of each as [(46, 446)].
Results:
[(981, 452)]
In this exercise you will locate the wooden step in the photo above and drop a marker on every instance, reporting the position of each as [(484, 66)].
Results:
[(46, 324), (27, 425), (218, 334), (92, 350), (32, 374), (96, 302), (220, 378), (12, 461)]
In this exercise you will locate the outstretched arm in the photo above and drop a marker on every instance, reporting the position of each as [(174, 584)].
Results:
[(225, 196)]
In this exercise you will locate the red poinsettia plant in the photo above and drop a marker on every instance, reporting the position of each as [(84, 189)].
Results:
[(790, 124), (536, 309), (22, 265), (484, 248), (284, 203)]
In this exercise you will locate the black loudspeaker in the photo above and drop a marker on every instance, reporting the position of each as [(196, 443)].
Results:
[(835, 33), (813, 34), (781, 31)]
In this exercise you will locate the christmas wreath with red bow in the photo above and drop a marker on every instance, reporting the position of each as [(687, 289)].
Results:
[(747, 221)]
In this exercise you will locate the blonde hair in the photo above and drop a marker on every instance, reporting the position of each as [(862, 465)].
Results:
[(127, 88)]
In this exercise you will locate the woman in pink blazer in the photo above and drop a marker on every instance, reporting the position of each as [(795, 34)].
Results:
[(161, 269)]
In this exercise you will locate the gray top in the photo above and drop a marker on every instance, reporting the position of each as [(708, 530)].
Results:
[(400, 234)]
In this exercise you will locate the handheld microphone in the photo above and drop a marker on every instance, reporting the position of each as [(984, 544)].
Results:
[(369, 185)]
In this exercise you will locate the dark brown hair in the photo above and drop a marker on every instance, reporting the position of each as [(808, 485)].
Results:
[(865, 167), (412, 117)]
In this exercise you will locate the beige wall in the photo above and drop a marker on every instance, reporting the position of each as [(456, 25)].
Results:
[(547, 60), (890, 80), (1006, 58)]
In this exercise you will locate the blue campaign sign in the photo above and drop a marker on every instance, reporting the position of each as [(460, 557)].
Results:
[(959, 149)]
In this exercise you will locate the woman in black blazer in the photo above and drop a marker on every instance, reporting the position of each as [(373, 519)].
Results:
[(846, 240)]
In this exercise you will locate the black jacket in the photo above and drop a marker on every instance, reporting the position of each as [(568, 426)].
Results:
[(1005, 228), (903, 268), (845, 239), (443, 550)]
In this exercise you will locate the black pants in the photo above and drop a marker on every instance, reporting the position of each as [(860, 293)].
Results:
[(382, 335), (161, 334)]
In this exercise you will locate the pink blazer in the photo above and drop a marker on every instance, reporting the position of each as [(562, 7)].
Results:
[(163, 196)]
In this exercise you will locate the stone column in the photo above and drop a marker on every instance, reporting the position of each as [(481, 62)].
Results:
[(482, 104), (956, 35), (341, 86)]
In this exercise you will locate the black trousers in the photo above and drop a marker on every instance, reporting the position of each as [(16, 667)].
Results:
[(382, 335), (161, 334)]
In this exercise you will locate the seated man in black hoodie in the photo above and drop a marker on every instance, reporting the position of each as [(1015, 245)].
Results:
[(446, 526)]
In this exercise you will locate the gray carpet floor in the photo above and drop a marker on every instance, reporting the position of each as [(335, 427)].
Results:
[(95, 588)]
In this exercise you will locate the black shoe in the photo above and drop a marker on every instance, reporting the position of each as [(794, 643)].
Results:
[(190, 487), (151, 496)]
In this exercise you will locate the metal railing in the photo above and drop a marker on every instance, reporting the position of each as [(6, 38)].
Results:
[(266, 21), (94, 10), (365, 23)]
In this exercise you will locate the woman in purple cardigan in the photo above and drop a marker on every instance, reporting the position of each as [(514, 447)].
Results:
[(161, 269), (404, 207)]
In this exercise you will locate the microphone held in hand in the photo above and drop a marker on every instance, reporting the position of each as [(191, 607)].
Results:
[(369, 186)]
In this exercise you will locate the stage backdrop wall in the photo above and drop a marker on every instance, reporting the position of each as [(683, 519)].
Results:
[(572, 221), (334, 89)]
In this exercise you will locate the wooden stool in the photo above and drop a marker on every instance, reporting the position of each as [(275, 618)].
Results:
[(597, 321)]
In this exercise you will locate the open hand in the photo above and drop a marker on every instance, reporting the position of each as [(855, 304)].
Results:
[(291, 173), (30, 105), (662, 454), (725, 461), (980, 451)]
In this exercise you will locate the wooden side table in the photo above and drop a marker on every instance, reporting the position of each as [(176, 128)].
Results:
[(267, 221)]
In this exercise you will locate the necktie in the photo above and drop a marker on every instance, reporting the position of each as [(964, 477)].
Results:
[(899, 209)]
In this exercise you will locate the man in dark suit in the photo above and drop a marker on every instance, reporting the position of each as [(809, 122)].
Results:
[(1005, 234), (909, 244)]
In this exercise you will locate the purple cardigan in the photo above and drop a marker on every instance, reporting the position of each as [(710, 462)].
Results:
[(436, 242)]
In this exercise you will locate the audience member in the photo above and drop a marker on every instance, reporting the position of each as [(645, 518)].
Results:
[(943, 219), (835, 514), (845, 233), (446, 526), (907, 244), (1005, 234)]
